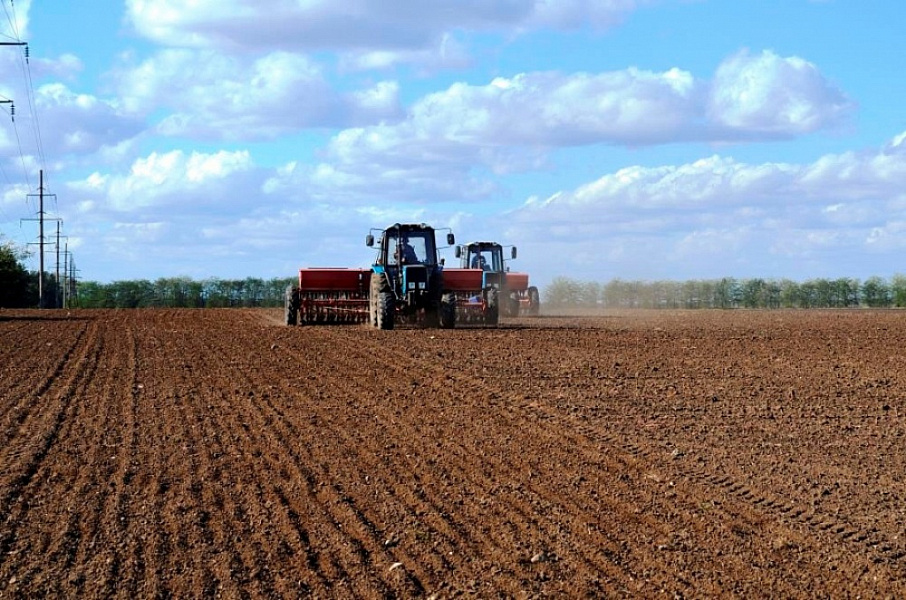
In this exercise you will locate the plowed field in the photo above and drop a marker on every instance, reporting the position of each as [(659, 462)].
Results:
[(185, 454)]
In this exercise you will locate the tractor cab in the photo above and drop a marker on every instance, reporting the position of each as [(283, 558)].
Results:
[(409, 247), (402, 245), (407, 277), (487, 256)]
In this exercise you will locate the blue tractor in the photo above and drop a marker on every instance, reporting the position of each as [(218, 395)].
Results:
[(407, 278)]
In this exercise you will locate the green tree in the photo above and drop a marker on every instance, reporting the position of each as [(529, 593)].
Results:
[(14, 277), (898, 290), (562, 292), (876, 292)]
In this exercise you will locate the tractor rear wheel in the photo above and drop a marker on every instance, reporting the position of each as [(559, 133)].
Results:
[(381, 304), (291, 305), (534, 301), (385, 311), (447, 312)]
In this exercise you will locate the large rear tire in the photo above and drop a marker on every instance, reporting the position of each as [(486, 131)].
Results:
[(381, 304), (291, 305), (534, 306), (385, 310)]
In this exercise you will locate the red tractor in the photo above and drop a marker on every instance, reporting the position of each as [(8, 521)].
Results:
[(489, 289)]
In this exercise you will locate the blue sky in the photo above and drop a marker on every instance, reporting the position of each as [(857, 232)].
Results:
[(633, 139)]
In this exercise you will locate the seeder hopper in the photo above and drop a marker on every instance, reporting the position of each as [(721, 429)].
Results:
[(328, 295)]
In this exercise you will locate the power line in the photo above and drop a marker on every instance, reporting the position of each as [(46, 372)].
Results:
[(32, 107), (13, 22), (29, 89)]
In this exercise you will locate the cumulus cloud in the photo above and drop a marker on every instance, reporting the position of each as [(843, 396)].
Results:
[(373, 32), (211, 96), (452, 142), (157, 182), (569, 14), (73, 122), (713, 215), (768, 94)]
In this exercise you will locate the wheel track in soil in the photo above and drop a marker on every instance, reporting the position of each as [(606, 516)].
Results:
[(824, 526), (530, 508), (43, 425), (568, 504), (20, 395), (719, 490), (527, 511), (247, 494), (725, 488), (279, 432), (255, 562)]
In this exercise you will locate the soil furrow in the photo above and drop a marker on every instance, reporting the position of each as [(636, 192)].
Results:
[(205, 453)]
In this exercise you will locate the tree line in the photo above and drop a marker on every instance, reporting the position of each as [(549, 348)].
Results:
[(19, 289), (183, 292), (728, 292)]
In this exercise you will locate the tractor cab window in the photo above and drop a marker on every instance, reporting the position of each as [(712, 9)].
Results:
[(408, 248), (487, 260)]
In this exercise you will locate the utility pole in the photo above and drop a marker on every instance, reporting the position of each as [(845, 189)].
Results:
[(58, 296), (73, 292), (41, 219), (67, 279), (64, 283)]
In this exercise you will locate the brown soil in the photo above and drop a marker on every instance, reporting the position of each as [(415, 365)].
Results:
[(179, 453)]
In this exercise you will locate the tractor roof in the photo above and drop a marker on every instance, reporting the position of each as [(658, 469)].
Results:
[(410, 227)]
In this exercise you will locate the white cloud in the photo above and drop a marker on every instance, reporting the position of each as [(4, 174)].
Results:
[(81, 123), (568, 14), (453, 141), (160, 181), (718, 214), (374, 33), (212, 96), (768, 94)]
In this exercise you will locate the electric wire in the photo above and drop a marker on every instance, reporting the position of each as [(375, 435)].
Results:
[(25, 66), (29, 91), (11, 18)]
